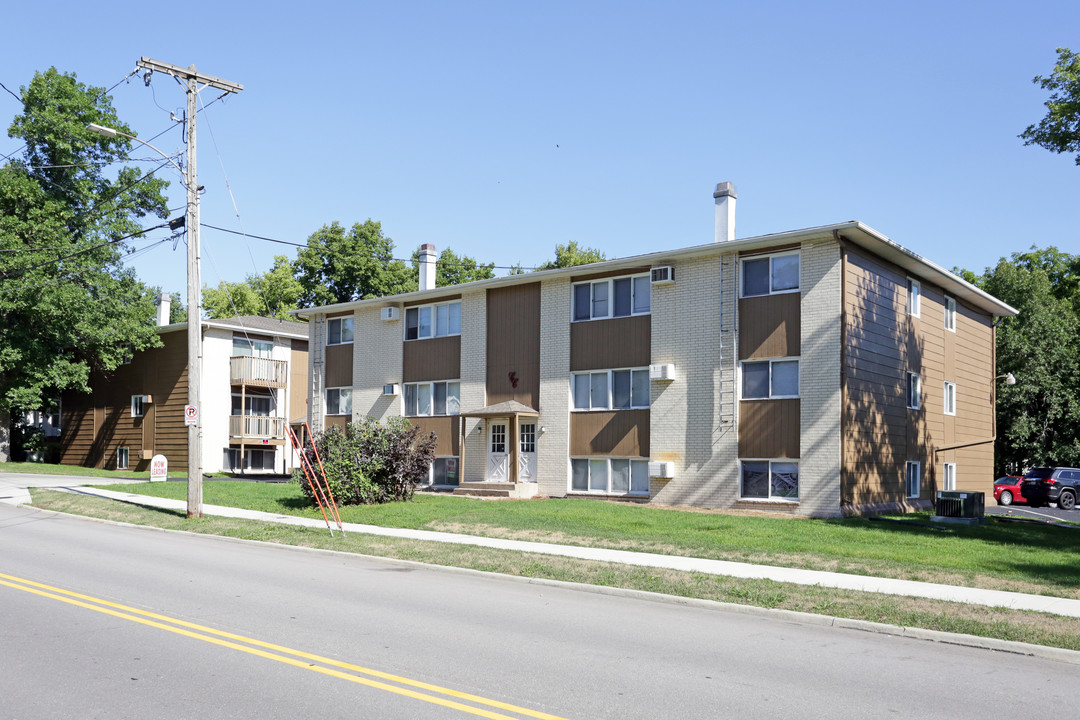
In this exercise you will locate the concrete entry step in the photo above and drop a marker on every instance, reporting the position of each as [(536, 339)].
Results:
[(482, 492)]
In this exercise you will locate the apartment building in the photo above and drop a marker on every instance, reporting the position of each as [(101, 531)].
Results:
[(818, 372), (254, 382)]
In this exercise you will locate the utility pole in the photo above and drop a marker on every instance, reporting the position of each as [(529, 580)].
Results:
[(194, 286)]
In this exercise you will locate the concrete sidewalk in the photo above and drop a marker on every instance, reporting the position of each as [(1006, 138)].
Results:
[(976, 596)]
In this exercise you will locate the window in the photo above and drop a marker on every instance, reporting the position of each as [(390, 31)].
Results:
[(611, 389), (950, 398), (339, 331), (771, 274), (914, 297), (769, 480), (444, 471), (914, 391), (610, 476), (255, 348), (527, 433), (138, 403), (950, 314), (770, 379), (254, 459), (432, 398), (949, 479), (612, 297), (122, 457), (259, 405), (912, 487), (339, 401), (427, 321)]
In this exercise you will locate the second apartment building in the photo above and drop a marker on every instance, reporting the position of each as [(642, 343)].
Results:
[(818, 371)]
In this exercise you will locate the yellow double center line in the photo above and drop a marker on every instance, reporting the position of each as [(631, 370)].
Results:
[(425, 692)]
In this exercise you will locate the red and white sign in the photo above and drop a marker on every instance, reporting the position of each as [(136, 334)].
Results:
[(191, 414), (159, 469)]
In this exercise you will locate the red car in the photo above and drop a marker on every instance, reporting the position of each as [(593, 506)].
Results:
[(1007, 490)]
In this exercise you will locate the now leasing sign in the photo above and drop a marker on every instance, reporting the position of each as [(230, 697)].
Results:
[(159, 468)]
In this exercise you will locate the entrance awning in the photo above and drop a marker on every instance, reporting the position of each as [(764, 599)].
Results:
[(510, 408)]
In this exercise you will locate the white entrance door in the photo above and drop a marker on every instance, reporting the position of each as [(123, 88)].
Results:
[(527, 452), (497, 462)]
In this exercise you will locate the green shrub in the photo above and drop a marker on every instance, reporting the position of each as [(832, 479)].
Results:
[(368, 463)]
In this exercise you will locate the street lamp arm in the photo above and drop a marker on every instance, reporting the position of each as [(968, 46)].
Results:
[(110, 132)]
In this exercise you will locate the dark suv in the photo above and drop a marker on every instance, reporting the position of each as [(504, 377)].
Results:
[(1044, 485)]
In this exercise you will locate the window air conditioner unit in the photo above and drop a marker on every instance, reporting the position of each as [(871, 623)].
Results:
[(661, 469), (663, 275), (665, 371), (148, 399), (390, 388), (391, 313)]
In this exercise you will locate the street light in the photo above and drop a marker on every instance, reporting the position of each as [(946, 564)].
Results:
[(194, 508), (1010, 379)]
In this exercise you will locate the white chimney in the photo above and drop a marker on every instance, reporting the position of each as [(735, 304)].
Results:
[(164, 304), (427, 266), (725, 211)]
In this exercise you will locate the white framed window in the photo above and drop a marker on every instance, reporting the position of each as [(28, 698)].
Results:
[(948, 480), (914, 391), (254, 459), (769, 479), (950, 314), (527, 438), (432, 398), (914, 297), (612, 297), (912, 479), (253, 348), (770, 275), (339, 401), (443, 471), (623, 389), (339, 331), (609, 476), (950, 398), (770, 379), (258, 405), (122, 458), (138, 405), (436, 320)]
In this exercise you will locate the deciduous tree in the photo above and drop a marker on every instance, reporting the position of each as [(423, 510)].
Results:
[(572, 254), (339, 266), (1059, 130)]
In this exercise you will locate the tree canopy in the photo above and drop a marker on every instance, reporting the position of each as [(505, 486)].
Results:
[(1059, 130), (450, 269), (572, 254), (339, 266), (1038, 419), (68, 307), (271, 294)]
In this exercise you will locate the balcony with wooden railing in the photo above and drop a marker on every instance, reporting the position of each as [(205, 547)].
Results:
[(256, 428), (263, 372)]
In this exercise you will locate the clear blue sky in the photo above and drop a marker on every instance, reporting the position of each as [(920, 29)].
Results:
[(499, 129)]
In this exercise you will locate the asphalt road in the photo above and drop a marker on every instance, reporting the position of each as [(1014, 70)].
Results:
[(324, 635)]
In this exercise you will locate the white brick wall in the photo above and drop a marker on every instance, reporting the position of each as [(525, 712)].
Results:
[(473, 379), (377, 361), (691, 418), (553, 446), (819, 463)]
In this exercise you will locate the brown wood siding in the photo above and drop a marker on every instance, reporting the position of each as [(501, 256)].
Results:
[(336, 421), (432, 301), (339, 365), (611, 273), (615, 433), (298, 380), (95, 425), (431, 359), (769, 250), (769, 428), (340, 313), (614, 343), (445, 428), (883, 344), (769, 326), (513, 344)]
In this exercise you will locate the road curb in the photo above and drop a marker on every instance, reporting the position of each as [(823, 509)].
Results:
[(911, 633)]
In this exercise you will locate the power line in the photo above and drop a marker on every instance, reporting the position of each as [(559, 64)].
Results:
[(23, 271)]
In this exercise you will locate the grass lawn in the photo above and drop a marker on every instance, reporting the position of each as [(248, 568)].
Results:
[(1020, 557), (983, 554), (30, 468)]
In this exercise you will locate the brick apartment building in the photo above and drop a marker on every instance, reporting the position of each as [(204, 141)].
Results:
[(820, 371)]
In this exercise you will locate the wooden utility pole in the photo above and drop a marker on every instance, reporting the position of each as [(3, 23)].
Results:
[(193, 79)]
